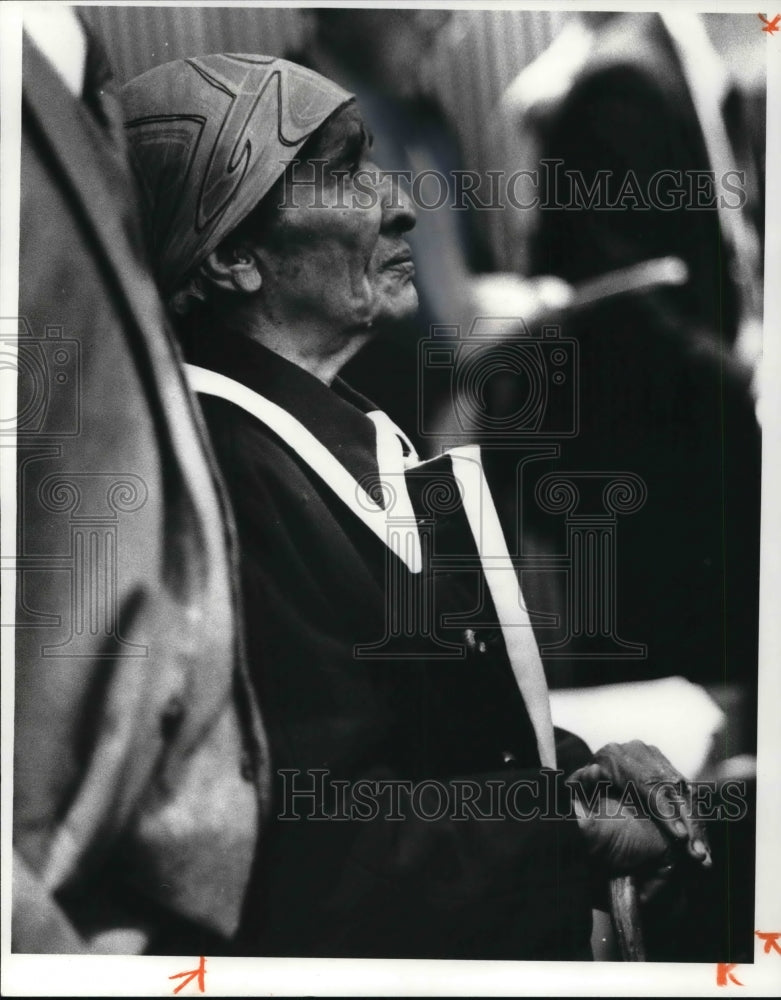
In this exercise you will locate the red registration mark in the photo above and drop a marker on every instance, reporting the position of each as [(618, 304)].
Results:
[(191, 974)]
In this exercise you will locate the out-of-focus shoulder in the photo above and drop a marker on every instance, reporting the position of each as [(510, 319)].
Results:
[(548, 79)]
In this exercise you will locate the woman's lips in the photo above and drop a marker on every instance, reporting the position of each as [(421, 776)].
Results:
[(400, 261)]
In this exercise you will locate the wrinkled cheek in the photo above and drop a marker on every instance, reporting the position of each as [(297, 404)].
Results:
[(362, 290), (363, 267), (359, 279), (341, 284), (334, 251)]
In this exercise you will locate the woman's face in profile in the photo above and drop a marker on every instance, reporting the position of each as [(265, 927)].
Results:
[(335, 252)]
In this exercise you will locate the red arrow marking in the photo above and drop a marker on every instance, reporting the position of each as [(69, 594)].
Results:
[(200, 972)]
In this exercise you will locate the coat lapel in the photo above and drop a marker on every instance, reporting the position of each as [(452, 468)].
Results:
[(402, 538)]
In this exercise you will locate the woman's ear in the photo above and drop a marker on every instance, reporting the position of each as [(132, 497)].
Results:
[(232, 270)]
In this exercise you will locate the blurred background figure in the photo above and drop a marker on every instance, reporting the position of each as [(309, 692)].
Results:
[(138, 753), (388, 59), (664, 376), (648, 94), (668, 379)]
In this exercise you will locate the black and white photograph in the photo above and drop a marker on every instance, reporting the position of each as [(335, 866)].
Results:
[(389, 467)]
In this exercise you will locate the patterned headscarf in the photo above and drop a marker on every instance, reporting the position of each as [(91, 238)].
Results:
[(209, 137)]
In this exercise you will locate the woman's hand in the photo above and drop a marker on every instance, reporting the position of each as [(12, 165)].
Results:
[(635, 811)]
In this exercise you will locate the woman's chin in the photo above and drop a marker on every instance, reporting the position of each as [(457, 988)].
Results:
[(400, 306)]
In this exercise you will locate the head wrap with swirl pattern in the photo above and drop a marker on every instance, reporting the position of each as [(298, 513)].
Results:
[(209, 136)]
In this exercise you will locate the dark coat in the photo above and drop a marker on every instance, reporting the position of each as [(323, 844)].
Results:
[(416, 704), (136, 742)]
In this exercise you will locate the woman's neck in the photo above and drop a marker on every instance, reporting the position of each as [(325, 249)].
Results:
[(321, 352)]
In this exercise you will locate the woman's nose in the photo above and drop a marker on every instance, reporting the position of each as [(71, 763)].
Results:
[(398, 212)]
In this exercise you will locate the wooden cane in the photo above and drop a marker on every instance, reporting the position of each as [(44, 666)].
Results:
[(625, 912)]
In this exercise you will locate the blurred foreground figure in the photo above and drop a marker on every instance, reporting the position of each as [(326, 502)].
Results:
[(136, 744)]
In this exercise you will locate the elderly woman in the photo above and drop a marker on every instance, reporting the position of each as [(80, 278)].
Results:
[(417, 811)]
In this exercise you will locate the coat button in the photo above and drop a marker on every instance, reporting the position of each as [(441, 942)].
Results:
[(171, 718), (474, 641), (508, 757)]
